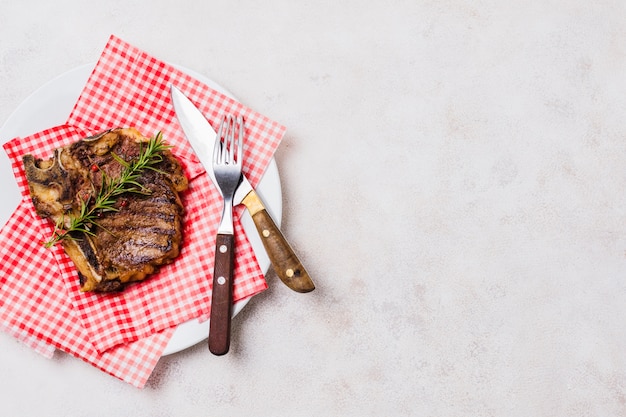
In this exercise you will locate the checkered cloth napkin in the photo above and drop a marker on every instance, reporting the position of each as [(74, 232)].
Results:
[(125, 334)]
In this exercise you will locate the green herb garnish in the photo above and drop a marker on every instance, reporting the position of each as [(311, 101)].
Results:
[(110, 189)]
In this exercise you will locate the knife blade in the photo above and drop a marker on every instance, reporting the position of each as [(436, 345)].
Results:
[(201, 136)]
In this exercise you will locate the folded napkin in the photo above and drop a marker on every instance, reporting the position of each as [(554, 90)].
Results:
[(125, 334)]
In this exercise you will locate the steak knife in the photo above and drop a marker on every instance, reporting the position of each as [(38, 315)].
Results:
[(202, 138)]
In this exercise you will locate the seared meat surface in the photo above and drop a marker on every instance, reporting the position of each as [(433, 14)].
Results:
[(124, 245)]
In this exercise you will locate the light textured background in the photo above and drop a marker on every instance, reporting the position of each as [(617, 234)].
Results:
[(453, 178)]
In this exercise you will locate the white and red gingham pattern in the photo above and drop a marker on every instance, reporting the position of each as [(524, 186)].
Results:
[(128, 88), (35, 307)]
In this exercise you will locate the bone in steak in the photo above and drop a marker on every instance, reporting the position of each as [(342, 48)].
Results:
[(129, 244)]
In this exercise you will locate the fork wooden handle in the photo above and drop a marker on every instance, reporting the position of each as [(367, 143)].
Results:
[(221, 302)]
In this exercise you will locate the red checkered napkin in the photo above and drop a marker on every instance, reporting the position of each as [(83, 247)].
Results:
[(35, 307), (127, 88)]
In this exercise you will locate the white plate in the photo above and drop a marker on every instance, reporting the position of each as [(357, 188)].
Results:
[(50, 106)]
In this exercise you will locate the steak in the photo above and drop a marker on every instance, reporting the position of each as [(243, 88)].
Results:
[(143, 229)]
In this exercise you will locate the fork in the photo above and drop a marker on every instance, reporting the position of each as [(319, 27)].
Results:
[(227, 159)]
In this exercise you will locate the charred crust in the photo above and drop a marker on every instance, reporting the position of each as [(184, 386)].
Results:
[(90, 255), (113, 285), (81, 279)]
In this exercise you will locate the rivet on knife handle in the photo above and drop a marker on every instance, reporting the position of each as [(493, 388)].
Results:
[(284, 260), (221, 302)]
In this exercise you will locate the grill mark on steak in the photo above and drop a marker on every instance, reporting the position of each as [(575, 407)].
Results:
[(129, 244)]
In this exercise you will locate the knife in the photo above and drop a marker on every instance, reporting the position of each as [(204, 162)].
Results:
[(201, 136)]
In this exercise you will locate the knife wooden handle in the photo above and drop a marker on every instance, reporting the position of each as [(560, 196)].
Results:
[(286, 264), (221, 302)]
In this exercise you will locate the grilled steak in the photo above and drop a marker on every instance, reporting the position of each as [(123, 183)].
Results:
[(141, 233)]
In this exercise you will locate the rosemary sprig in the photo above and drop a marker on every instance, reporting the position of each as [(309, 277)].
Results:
[(110, 189)]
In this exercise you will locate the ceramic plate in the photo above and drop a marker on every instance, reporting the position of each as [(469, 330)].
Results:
[(50, 105)]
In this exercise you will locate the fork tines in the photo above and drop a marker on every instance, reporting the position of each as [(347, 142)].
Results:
[(230, 136)]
